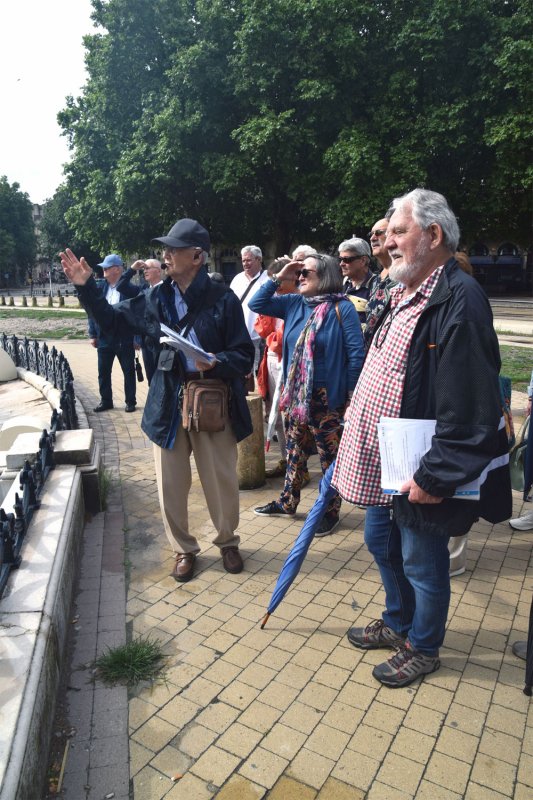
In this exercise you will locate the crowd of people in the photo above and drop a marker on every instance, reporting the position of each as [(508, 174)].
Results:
[(393, 327)]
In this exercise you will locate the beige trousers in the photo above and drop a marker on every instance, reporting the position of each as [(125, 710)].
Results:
[(215, 455)]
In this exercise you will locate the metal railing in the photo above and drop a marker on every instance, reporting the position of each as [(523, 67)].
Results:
[(49, 364), (52, 365)]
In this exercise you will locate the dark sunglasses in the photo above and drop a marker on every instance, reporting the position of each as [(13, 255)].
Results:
[(349, 259), (378, 232), (304, 272)]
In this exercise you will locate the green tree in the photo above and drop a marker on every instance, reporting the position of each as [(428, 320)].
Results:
[(285, 120), (56, 234), (18, 244)]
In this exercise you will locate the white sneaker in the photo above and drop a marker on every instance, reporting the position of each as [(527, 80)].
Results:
[(523, 523), (458, 571)]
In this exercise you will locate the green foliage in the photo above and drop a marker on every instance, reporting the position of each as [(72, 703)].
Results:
[(55, 232), (18, 245), (141, 659), (285, 120)]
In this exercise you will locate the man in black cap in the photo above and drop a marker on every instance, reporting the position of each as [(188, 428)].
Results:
[(110, 348), (209, 315)]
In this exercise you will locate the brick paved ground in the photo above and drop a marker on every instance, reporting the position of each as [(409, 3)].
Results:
[(291, 711)]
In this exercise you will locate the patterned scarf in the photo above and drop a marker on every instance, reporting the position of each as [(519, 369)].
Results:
[(296, 393)]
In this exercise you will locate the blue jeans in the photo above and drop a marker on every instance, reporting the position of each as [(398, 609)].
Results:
[(414, 568)]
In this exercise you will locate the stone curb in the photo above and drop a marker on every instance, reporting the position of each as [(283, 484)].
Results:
[(38, 604)]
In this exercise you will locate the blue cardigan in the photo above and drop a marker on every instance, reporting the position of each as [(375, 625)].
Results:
[(339, 349)]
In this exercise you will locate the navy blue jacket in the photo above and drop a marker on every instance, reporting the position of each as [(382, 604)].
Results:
[(126, 288), (94, 329), (219, 326), (452, 376)]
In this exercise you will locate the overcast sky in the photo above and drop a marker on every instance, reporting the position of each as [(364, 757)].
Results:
[(41, 62)]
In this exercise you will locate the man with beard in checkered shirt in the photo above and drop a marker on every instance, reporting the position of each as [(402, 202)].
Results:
[(434, 355)]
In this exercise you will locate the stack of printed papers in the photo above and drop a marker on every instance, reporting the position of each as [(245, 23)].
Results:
[(402, 443), (173, 339)]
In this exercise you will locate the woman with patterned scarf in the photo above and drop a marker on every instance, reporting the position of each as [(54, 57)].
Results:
[(322, 356)]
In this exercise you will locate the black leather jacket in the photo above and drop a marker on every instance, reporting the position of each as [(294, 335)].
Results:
[(452, 376), (219, 326)]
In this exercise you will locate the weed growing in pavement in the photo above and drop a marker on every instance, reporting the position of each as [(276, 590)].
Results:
[(105, 483), (141, 659)]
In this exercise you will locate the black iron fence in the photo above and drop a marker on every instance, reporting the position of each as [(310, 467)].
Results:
[(52, 365)]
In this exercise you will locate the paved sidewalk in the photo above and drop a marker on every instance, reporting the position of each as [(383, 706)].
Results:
[(291, 711)]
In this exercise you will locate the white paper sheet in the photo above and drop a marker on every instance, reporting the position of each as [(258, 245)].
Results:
[(402, 443), (178, 342)]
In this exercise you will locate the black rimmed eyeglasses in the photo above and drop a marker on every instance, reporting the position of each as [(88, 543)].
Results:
[(383, 331)]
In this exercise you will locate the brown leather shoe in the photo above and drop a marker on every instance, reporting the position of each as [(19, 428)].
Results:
[(184, 567), (231, 558)]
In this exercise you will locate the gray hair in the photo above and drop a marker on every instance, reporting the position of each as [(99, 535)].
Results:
[(429, 207), (303, 249), (253, 249), (328, 272), (355, 245)]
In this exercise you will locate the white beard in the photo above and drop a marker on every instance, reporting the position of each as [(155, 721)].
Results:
[(407, 273)]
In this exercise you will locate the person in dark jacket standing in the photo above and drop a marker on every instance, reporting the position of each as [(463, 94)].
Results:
[(153, 276), (110, 348), (208, 315), (434, 355)]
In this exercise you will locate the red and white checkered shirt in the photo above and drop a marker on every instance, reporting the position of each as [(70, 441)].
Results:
[(378, 393)]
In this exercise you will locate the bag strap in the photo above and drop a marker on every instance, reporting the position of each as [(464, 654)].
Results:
[(243, 298), (211, 298)]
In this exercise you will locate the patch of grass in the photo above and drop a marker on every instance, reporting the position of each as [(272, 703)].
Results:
[(58, 333), (40, 314), (105, 483), (517, 363), (141, 659)]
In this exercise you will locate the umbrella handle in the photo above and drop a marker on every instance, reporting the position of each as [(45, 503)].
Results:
[(264, 620)]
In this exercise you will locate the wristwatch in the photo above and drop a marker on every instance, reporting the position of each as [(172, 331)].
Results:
[(276, 281)]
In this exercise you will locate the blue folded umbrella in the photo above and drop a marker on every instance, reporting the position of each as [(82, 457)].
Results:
[(528, 464), (296, 557)]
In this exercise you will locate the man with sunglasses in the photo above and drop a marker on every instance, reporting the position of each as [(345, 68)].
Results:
[(379, 296), (434, 356), (354, 257), (377, 237)]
